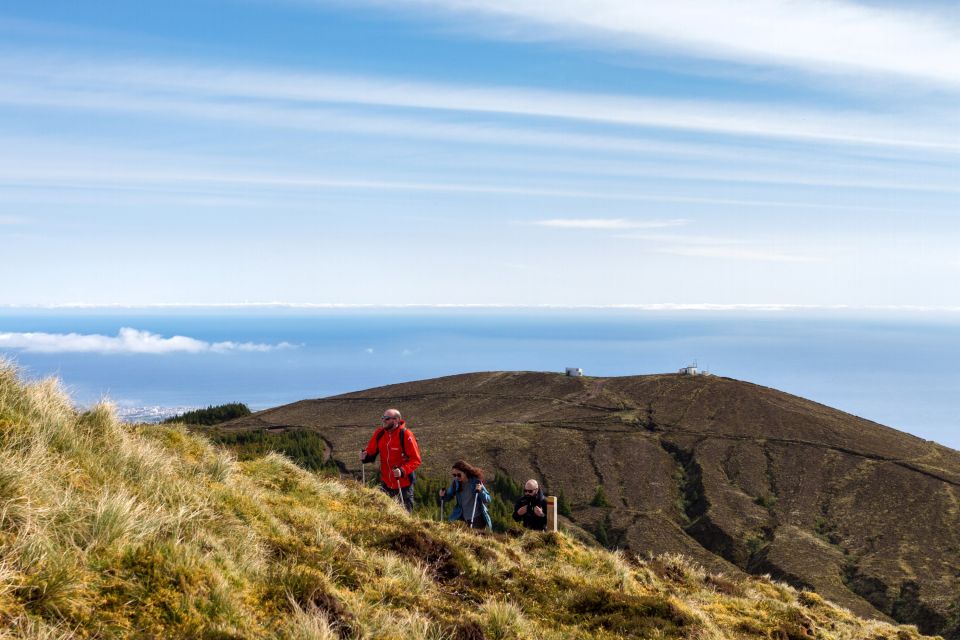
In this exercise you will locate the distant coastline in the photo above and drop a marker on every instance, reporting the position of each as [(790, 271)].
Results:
[(895, 368)]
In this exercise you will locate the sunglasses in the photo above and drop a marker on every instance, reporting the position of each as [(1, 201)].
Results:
[(530, 491), (387, 418), (457, 475)]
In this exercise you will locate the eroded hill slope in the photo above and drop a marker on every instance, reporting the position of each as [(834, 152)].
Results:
[(737, 476)]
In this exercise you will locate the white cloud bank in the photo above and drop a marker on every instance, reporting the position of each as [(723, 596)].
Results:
[(127, 340)]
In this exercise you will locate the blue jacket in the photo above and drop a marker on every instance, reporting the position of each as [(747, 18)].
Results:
[(461, 491)]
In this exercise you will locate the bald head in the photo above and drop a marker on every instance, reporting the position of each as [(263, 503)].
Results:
[(532, 485), (391, 418)]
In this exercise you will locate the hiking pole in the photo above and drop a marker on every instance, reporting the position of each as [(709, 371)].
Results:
[(400, 498), (476, 499)]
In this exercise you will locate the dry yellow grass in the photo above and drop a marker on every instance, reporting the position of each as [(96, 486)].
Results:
[(111, 531)]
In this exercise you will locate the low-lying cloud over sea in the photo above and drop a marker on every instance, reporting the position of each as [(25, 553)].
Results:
[(898, 368), (127, 340)]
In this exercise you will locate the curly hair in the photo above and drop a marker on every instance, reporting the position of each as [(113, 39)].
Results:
[(469, 469)]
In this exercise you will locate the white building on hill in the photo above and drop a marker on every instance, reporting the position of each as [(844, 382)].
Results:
[(692, 370)]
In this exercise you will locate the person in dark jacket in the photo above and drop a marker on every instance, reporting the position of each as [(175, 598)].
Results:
[(531, 508), (471, 496), (399, 456)]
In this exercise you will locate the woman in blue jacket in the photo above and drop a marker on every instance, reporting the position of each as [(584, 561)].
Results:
[(471, 496)]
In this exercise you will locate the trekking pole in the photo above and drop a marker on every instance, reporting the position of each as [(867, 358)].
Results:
[(403, 503), (476, 499)]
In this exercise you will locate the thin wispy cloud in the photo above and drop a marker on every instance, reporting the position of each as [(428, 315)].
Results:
[(719, 247), (127, 341), (608, 223), (91, 178), (238, 95), (733, 252), (68, 166), (829, 37), (117, 191), (688, 245)]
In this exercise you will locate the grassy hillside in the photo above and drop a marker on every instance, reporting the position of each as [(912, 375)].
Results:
[(738, 477), (112, 531)]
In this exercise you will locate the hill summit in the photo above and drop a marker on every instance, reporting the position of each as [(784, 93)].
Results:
[(116, 531), (739, 477)]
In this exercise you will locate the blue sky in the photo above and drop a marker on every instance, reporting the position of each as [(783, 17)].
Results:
[(759, 152)]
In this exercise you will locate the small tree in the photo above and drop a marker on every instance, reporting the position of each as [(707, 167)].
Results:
[(563, 505), (505, 486), (601, 533), (505, 491), (600, 498)]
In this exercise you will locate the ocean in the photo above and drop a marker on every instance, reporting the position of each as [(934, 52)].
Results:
[(898, 369)]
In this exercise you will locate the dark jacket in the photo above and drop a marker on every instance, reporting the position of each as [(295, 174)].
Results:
[(529, 519)]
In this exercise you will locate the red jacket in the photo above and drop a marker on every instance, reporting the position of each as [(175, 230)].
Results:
[(386, 444)]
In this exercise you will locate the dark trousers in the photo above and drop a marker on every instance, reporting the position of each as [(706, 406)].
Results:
[(406, 494)]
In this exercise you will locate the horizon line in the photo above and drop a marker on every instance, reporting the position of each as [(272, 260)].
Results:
[(661, 306)]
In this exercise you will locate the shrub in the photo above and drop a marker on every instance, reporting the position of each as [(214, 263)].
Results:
[(765, 501), (601, 531), (600, 498)]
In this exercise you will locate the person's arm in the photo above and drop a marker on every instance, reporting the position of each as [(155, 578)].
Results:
[(541, 521), (519, 504), (413, 454), (485, 496), (371, 452), (451, 492)]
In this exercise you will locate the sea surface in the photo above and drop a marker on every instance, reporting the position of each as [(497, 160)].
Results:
[(898, 369)]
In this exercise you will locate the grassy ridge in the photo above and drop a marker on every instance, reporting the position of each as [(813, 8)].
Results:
[(112, 531)]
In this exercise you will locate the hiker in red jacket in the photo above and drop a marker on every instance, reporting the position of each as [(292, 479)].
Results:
[(399, 456)]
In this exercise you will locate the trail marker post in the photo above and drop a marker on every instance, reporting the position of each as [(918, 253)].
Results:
[(551, 514)]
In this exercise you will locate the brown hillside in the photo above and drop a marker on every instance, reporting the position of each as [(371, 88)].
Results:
[(739, 477)]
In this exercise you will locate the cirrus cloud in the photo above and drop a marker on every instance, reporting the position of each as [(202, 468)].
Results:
[(831, 37), (127, 340), (608, 223)]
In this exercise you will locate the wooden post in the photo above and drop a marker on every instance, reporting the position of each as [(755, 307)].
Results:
[(551, 514)]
